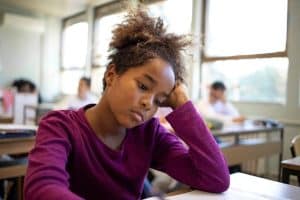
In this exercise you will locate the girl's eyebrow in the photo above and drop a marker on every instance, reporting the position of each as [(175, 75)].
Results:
[(152, 80)]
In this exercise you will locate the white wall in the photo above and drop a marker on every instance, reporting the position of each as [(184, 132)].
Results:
[(50, 65), (31, 54), (20, 52)]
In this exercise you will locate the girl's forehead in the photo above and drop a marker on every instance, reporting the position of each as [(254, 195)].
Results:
[(156, 71), (158, 68)]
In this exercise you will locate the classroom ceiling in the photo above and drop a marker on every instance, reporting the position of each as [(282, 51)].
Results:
[(58, 8)]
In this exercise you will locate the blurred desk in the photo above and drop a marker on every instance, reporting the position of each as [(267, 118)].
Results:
[(244, 149), (33, 113), (16, 145), (16, 139), (290, 167), (246, 187)]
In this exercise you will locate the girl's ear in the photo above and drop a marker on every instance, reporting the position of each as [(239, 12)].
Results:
[(110, 74)]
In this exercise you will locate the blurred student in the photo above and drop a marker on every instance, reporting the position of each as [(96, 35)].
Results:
[(84, 95), (23, 85), (217, 107), (104, 150)]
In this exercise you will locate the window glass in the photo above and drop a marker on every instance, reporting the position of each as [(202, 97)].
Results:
[(259, 80), (168, 11), (74, 47), (70, 80), (103, 36), (97, 76), (236, 27)]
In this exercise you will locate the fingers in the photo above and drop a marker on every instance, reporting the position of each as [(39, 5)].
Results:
[(178, 96)]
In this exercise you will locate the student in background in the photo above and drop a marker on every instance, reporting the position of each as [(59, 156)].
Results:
[(84, 95), (217, 107), (23, 85), (105, 150)]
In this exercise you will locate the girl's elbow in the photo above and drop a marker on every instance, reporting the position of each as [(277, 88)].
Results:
[(223, 183), (216, 184), (222, 187)]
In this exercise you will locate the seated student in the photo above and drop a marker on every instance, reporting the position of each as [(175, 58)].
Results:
[(84, 95), (26, 86), (217, 107), (104, 151)]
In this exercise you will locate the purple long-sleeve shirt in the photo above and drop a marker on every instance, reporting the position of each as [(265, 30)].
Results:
[(70, 162)]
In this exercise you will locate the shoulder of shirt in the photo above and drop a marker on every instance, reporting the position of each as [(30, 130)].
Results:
[(64, 116)]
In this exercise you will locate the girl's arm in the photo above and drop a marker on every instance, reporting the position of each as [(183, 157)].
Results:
[(200, 165), (46, 176)]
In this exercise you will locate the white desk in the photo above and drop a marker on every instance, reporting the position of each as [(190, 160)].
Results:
[(244, 187)]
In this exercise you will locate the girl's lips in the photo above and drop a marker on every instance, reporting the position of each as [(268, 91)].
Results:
[(138, 116)]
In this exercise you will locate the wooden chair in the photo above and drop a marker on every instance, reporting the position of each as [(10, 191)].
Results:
[(290, 167), (295, 149), (295, 146)]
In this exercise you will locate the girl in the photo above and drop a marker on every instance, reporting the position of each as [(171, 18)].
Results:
[(104, 151)]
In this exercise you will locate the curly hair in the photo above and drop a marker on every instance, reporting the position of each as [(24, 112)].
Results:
[(140, 38)]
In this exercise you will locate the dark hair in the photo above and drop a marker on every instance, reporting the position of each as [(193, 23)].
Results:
[(218, 85), (140, 38), (87, 80), (21, 83)]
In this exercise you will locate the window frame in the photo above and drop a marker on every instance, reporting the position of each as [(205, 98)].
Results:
[(207, 59), (99, 12), (69, 21)]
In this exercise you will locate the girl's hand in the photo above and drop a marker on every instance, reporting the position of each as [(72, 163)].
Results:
[(178, 96)]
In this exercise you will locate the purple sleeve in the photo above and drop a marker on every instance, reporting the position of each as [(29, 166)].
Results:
[(46, 176), (201, 164)]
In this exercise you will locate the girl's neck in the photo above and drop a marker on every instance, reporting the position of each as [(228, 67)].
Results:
[(103, 122)]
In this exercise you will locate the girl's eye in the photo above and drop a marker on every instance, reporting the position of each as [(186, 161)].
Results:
[(157, 102), (142, 86)]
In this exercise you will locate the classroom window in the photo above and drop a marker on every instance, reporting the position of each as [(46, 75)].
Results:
[(74, 52), (262, 80), (245, 46), (103, 35), (70, 80), (109, 15), (168, 11)]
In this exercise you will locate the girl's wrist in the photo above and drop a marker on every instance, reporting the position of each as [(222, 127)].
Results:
[(180, 101)]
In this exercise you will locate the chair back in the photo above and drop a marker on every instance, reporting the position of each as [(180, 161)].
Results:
[(20, 114), (295, 147)]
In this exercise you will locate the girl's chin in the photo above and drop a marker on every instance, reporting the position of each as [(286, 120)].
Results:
[(131, 124)]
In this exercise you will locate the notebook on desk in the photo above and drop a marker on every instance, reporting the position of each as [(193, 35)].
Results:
[(17, 130)]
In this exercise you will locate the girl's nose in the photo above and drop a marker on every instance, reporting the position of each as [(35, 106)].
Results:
[(147, 102)]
